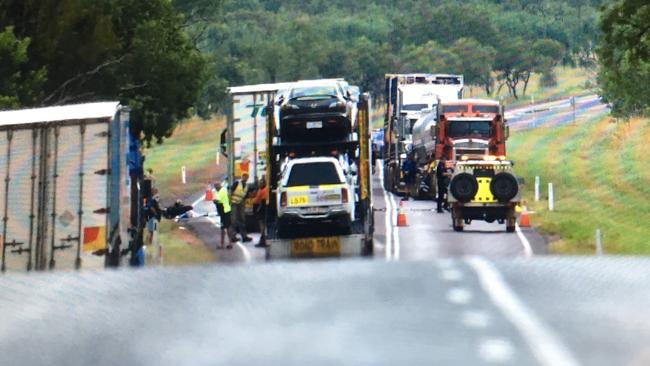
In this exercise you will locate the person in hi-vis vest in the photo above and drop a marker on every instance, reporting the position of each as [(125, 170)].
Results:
[(238, 193)]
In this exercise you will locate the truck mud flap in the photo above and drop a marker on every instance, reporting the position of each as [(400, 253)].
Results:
[(317, 247)]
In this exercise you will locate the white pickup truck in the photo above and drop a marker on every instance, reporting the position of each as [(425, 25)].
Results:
[(314, 190)]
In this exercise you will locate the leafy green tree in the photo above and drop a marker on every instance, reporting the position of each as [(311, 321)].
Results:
[(18, 84), (545, 54), (625, 56), (511, 63), (475, 62), (131, 50), (430, 57)]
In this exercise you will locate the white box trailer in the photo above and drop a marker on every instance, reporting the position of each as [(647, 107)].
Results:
[(244, 140), (65, 187)]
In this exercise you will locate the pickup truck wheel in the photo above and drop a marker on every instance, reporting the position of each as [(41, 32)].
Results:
[(510, 229)]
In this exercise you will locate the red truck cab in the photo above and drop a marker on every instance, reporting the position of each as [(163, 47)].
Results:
[(472, 128)]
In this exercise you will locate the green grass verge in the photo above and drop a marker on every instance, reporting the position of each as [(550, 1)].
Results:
[(599, 172), (193, 145), (181, 247), (570, 82)]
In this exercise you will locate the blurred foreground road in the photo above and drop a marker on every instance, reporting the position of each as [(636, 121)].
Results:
[(463, 311)]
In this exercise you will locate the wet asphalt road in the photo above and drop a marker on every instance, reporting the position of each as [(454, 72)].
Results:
[(452, 311), (428, 235)]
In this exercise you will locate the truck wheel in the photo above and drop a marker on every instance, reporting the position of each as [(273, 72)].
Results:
[(463, 187), (368, 248), (504, 186), (511, 221)]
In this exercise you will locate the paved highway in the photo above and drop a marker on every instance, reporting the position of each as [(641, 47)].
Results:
[(428, 235), (454, 311)]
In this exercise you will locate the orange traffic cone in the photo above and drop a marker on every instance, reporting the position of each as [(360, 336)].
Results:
[(401, 216), (524, 218), (208, 194)]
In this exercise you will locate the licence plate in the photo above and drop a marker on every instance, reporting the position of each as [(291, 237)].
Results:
[(298, 200), (317, 209), (316, 247), (314, 124)]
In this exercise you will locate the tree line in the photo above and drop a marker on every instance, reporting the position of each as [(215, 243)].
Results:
[(494, 43), (172, 58)]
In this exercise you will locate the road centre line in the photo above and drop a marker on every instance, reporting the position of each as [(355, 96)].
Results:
[(543, 343), (396, 243), (528, 250), (388, 215)]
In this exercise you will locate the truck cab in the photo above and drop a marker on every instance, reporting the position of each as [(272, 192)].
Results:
[(470, 127)]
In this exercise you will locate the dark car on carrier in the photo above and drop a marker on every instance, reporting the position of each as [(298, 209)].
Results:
[(312, 111)]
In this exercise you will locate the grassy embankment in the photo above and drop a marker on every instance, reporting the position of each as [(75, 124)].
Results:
[(570, 82), (193, 145), (598, 169), (601, 181)]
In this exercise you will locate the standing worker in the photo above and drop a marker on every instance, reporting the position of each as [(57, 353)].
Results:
[(238, 194), (222, 201), (443, 174), (154, 214), (409, 168), (261, 202)]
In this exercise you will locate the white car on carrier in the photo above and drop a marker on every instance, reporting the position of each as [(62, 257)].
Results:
[(314, 190)]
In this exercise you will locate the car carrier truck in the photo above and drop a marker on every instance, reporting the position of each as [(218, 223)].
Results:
[(253, 141)]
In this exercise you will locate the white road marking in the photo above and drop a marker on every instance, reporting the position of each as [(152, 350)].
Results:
[(451, 275), (217, 223), (528, 250), (387, 216), (540, 339), (247, 253), (475, 319), (198, 200), (496, 350), (459, 295), (396, 244)]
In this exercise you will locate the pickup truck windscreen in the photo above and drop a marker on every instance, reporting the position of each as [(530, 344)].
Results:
[(313, 174)]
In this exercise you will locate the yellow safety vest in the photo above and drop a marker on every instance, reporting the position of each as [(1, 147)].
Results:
[(238, 194), (222, 197)]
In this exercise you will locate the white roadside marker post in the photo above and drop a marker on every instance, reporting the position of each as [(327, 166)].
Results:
[(551, 203), (599, 242), (537, 182), (183, 175), (218, 157)]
